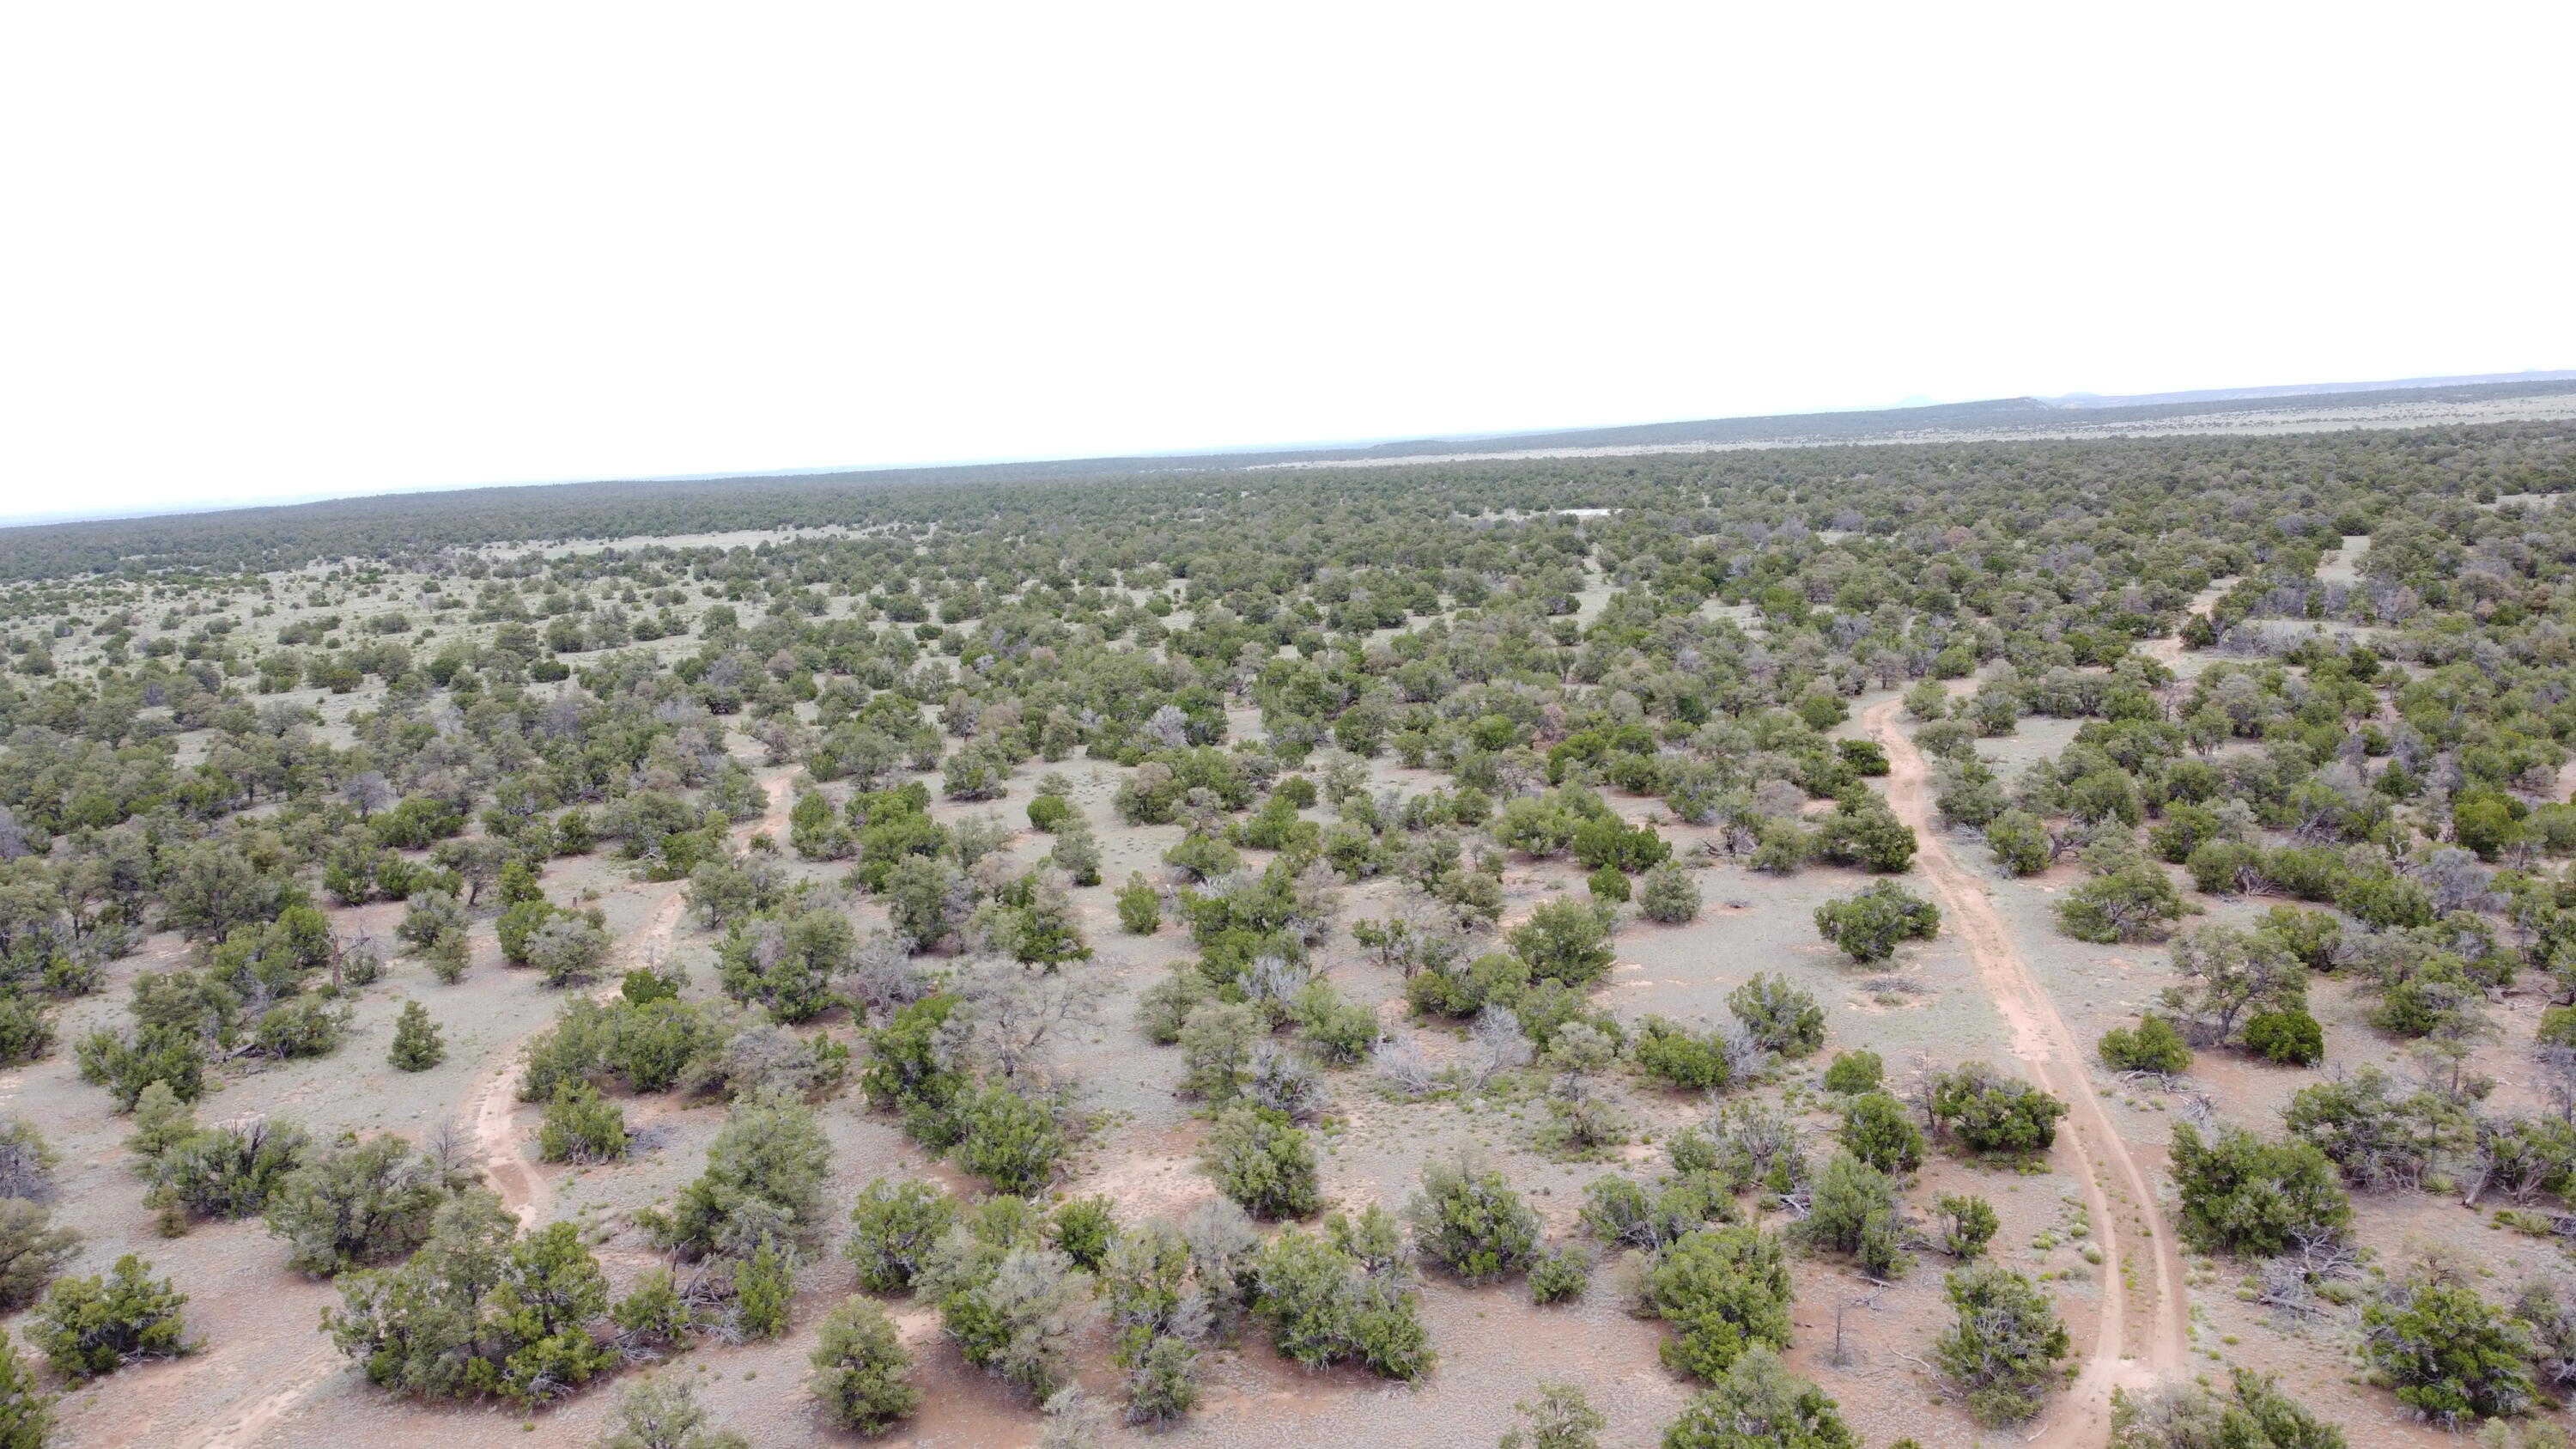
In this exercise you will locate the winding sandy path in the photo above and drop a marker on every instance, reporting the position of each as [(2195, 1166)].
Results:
[(498, 1144), (2140, 1338), (502, 1149)]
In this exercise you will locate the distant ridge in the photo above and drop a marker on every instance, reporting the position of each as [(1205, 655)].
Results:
[(2420, 402), (2303, 389)]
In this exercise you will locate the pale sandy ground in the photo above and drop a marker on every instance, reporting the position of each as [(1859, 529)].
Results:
[(2000, 984)]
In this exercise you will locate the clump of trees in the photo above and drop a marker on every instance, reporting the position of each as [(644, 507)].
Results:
[(2243, 1195), (480, 1309), (1344, 1292)]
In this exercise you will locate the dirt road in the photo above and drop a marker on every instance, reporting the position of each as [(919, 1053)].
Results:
[(2140, 1338)]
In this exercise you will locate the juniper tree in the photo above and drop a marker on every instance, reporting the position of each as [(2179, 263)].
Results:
[(416, 1046)]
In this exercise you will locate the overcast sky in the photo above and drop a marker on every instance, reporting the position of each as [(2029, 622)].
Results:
[(265, 250)]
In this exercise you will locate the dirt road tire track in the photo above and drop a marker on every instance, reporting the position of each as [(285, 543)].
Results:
[(2139, 1240)]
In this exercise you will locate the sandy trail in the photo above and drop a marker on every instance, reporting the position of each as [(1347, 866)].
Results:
[(244, 1429), (501, 1147), (2167, 651), (2140, 1338)]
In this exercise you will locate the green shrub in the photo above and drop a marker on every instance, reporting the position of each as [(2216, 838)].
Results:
[(1145, 1278), (2449, 1354), (1010, 1140), (1339, 1030), (1727, 1289), (1675, 1056), (1989, 1112), (2020, 843), (569, 950), (2292, 1038), (301, 1026), (1322, 1305), (1620, 1211), (1867, 758), (1760, 1404), (662, 1411), (1668, 895), (1264, 1162), (1048, 812), (87, 1327), (416, 1046), (2136, 902), (653, 1313), (517, 928), (1162, 1384), (32, 1250), (2253, 1414), (2151, 1046), (161, 1121), (1164, 1007), (26, 1033), (1863, 832), (1853, 1072), (1869, 926), (2002, 1350), (1853, 1208), (1140, 908), (1784, 847), (126, 1064), (228, 1172), (1082, 1229), (1216, 1049), (1563, 940), (1560, 1275), (2223, 867), (1782, 1017), (764, 1178), (26, 1410), (1008, 1300), (359, 1202), (896, 1225), (581, 1126), (1878, 1130), (2243, 1195), (446, 957), (786, 963), (1963, 1224), (862, 1371), (1473, 1223)]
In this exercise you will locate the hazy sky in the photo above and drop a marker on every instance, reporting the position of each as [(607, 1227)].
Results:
[(264, 250)]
